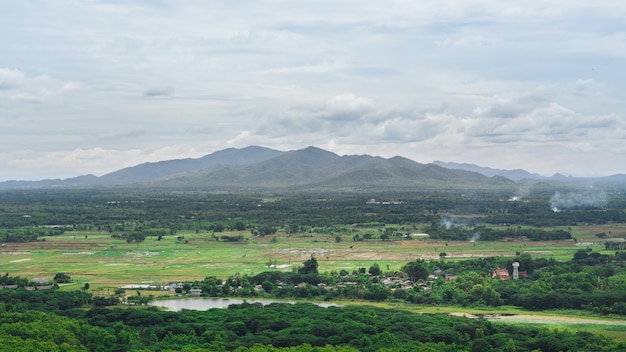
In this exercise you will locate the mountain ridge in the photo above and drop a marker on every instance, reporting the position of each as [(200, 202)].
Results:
[(308, 168), (521, 175)]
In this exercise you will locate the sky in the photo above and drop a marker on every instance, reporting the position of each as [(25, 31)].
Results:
[(93, 86)]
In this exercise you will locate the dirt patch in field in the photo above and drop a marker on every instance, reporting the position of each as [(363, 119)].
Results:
[(374, 251), (543, 319), (65, 245), (534, 319)]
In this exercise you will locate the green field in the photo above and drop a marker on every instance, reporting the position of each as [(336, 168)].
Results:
[(106, 263)]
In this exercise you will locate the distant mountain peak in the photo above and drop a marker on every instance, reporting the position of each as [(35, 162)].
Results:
[(515, 175), (316, 150), (313, 152)]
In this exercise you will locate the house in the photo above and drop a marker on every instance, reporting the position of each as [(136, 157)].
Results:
[(195, 292), (40, 281), (347, 283), (450, 277), (501, 274)]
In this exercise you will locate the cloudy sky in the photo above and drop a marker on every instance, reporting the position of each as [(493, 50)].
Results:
[(93, 86)]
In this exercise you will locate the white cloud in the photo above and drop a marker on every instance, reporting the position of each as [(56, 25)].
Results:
[(17, 86), (348, 104), (31, 165), (465, 41), (493, 83)]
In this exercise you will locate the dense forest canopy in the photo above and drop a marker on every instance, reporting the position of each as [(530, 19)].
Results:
[(166, 213), (27, 323)]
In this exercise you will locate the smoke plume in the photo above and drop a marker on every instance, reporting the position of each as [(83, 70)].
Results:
[(578, 200)]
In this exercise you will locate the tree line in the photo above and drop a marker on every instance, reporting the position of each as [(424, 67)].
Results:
[(115, 211)]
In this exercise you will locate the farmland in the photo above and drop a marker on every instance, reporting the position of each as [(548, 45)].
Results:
[(105, 262), (231, 244)]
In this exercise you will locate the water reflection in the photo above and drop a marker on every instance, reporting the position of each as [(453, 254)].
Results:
[(204, 303)]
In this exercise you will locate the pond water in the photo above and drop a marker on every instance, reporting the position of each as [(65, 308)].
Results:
[(205, 303)]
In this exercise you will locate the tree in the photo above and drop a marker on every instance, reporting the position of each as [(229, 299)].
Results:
[(416, 270), (61, 278), (374, 269), (293, 228), (309, 266), (86, 286), (267, 286), (266, 230)]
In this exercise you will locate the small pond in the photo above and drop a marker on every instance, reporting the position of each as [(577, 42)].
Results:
[(206, 303)]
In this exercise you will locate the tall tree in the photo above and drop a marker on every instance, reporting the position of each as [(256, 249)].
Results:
[(309, 266), (416, 270)]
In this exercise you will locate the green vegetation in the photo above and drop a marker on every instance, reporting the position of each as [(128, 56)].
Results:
[(278, 326), (66, 255)]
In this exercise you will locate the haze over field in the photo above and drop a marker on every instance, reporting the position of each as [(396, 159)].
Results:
[(96, 86)]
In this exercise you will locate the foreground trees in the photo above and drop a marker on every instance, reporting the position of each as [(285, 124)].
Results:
[(278, 327)]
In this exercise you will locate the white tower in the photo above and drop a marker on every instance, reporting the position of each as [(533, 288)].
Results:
[(515, 270)]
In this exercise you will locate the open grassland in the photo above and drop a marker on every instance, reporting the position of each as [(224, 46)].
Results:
[(105, 262)]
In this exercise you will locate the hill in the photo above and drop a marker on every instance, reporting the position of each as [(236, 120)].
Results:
[(520, 175), (310, 168), (263, 168), (515, 175), (314, 169), (151, 171)]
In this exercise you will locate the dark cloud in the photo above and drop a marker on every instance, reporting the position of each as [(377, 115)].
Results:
[(355, 120), (158, 92), (122, 135)]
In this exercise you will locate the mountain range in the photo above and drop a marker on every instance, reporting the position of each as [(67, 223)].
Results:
[(305, 169)]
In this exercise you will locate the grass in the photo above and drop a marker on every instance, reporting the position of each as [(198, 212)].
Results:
[(102, 261), (107, 263)]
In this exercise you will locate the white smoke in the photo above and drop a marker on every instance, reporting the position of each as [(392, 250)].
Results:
[(449, 222), (522, 192), (475, 237), (576, 200)]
